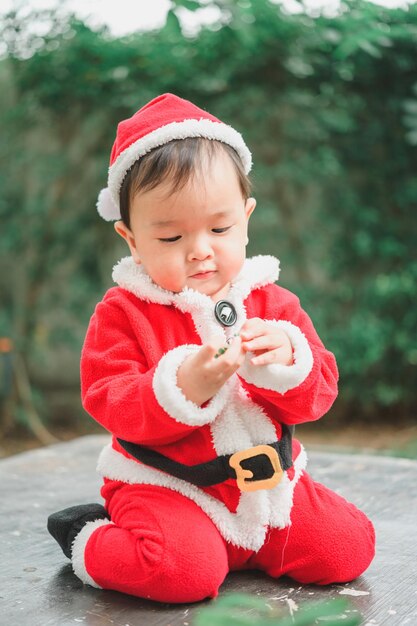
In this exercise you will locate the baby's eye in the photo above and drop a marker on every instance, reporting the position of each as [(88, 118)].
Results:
[(170, 239), (220, 230)]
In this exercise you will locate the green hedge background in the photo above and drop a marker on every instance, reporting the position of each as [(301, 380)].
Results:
[(328, 107)]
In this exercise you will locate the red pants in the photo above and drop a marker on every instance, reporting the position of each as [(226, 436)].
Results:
[(162, 546)]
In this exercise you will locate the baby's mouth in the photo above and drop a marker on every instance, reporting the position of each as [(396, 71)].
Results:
[(202, 275)]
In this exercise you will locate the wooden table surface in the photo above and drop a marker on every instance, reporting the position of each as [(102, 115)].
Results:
[(38, 587)]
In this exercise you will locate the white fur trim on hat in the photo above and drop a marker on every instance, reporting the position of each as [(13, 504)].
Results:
[(175, 130), (106, 207), (277, 377)]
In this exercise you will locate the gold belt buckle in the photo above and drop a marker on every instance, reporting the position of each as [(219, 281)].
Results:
[(243, 474)]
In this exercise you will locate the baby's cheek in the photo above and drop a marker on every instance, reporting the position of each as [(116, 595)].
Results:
[(170, 277), (235, 260)]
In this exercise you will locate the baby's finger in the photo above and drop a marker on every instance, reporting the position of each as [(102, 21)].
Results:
[(265, 342), (252, 328), (209, 350), (230, 357), (234, 347), (279, 355)]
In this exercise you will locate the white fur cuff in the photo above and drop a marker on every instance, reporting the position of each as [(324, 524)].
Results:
[(78, 550), (172, 399), (277, 377)]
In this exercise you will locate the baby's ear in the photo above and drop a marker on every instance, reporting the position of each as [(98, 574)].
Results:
[(125, 232), (250, 207), (121, 229)]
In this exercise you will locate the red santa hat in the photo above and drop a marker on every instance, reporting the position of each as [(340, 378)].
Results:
[(160, 121)]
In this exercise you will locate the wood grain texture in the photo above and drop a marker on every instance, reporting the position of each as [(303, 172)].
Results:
[(38, 587)]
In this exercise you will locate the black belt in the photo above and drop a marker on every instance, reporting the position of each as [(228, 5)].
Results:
[(260, 467)]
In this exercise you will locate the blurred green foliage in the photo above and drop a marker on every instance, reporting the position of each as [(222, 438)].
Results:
[(328, 107), (242, 609)]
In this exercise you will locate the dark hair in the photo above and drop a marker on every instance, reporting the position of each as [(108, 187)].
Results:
[(177, 161)]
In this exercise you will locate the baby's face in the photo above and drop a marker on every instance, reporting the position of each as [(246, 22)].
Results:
[(195, 237)]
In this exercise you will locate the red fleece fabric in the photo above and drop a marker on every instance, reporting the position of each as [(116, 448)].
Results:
[(163, 110), (125, 341), (160, 543), (162, 546)]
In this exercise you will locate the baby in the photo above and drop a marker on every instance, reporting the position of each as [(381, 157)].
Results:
[(200, 366)]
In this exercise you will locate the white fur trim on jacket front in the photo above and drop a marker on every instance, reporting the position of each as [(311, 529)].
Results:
[(78, 550), (277, 377), (257, 271), (171, 397), (246, 528)]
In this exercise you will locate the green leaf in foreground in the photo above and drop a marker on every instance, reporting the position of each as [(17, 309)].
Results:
[(244, 610)]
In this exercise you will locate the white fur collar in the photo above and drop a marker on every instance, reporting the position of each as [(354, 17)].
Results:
[(256, 272)]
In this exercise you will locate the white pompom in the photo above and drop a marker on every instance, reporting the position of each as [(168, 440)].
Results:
[(106, 206)]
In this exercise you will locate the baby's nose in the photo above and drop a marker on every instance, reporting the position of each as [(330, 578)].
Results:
[(200, 249)]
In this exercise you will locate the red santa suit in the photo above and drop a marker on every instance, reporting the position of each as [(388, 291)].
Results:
[(168, 539)]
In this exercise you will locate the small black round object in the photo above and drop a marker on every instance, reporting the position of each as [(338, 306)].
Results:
[(225, 313)]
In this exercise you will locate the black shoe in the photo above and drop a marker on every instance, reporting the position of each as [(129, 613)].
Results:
[(65, 525)]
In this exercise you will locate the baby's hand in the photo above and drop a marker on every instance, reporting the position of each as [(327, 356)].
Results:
[(269, 343), (202, 375)]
